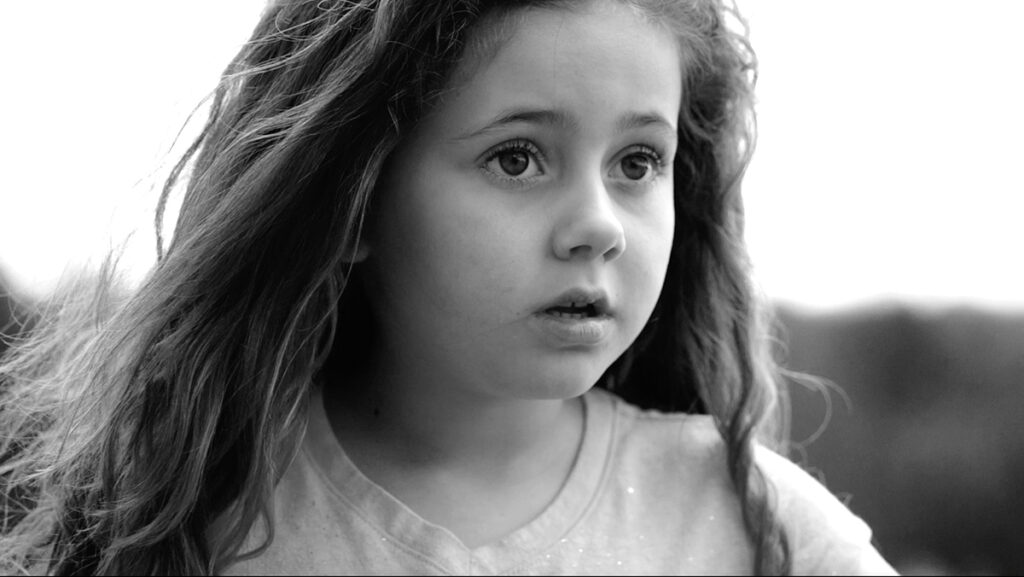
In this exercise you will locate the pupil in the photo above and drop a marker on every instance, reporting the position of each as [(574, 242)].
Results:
[(514, 162), (635, 166)]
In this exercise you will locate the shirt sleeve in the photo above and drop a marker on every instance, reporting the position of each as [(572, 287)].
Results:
[(825, 537)]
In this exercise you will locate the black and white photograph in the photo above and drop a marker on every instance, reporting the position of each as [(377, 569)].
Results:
[(516, 287)]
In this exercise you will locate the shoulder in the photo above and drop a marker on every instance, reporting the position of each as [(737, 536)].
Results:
[(672, 463), (674, 457), (672, 442), (804, 500), (666, 499), (669, 429), (825, 536), (683, 459)]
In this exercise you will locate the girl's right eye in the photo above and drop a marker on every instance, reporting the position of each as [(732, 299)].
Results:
[(515, 161)]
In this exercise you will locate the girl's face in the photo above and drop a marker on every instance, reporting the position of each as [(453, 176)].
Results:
[(522, 233)]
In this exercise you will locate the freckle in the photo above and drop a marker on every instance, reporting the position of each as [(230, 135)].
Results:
[(630, 490), (580, 550), (618, 563), (711, 518)]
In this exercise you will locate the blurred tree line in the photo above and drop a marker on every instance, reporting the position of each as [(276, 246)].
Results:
[(924, 438), (930, 450)]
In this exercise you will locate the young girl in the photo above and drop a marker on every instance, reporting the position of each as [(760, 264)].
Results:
[(433, 262)]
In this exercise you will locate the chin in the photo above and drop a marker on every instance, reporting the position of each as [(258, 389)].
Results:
[(566, 383)]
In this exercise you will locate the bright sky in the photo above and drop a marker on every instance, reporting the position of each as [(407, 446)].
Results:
[(890, 136)]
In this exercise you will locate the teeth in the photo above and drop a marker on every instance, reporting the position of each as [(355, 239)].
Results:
[(576, 310), (568, 315)]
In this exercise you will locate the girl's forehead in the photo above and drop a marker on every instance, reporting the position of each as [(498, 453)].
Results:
[(602, 56)]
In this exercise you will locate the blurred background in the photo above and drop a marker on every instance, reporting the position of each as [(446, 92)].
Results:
[(884, 207)]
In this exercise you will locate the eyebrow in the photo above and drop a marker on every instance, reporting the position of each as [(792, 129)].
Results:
[(566, 121), (637, 120)]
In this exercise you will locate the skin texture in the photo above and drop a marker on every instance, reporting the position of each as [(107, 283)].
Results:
[(469, 398)]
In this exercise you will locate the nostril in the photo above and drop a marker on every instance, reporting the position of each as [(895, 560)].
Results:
[(584, 250), (616, 250), (590, 233)]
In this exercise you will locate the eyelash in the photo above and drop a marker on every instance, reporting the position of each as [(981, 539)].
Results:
[(650, 151)]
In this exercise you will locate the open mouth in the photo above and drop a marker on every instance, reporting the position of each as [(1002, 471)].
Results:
[(579, 317), (574, 311), (579, 304)]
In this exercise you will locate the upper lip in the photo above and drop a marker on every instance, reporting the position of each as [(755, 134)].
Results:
[(581, 297)]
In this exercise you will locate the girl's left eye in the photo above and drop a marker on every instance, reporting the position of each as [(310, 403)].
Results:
[(643, 163), (518, 160)]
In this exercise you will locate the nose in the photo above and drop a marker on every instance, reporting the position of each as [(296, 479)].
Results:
[(589, 228)]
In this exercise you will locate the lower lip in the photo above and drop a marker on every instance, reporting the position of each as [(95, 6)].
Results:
[(568, 331)]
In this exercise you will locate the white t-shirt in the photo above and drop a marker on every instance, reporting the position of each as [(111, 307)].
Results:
[(649, 493)]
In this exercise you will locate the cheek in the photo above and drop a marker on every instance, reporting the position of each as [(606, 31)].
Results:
[(472, 256), (453, 251), (651, 246)]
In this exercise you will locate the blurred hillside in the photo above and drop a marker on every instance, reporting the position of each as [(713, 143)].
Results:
[(931, 449)]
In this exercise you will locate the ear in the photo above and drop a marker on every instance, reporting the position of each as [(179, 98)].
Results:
[(357, 253)]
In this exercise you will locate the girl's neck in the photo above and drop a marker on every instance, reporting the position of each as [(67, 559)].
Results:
[(421, 421), (478, 466)]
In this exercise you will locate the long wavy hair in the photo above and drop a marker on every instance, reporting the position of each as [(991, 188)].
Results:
[(130, 423)]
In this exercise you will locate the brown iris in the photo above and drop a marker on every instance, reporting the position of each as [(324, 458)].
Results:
[(636, 166), (514, 162)]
